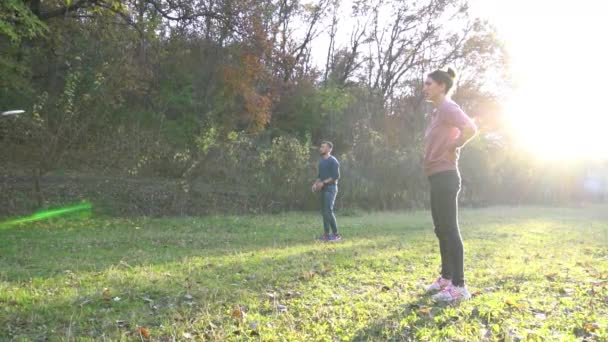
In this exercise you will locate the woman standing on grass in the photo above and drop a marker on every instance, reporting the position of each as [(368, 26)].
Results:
[(447, 132)]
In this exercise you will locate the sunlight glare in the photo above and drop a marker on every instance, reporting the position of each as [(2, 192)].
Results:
[(559, 63)]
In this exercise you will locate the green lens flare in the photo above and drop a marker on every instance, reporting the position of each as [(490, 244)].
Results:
[(46, 214)]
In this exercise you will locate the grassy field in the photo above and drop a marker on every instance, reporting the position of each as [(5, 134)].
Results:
[(536, 274)]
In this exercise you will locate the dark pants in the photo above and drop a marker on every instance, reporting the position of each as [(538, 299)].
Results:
[(444, 208), (328, 198)]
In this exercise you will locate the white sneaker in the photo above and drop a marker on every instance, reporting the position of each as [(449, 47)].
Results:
[(438, 285), (452, 293)]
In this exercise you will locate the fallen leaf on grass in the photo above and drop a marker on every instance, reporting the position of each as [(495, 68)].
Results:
[(424, 310), (591, 326), (281, 308), (476, 293), (238, 313), (187, 336), (551, 276), (144, 332)]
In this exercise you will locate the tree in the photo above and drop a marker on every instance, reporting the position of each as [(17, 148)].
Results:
[(158, 88)]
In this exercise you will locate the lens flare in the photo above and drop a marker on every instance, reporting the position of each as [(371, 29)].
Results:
[(50, 213)]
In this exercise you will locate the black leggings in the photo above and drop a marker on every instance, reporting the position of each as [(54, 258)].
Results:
[(444, 208)]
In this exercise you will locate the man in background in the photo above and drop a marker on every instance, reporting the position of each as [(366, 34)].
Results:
[(327, 184)]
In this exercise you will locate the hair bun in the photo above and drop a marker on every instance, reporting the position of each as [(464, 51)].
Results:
[(452, 73)]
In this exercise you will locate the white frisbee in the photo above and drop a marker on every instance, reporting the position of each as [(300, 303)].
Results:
[(13, 112)]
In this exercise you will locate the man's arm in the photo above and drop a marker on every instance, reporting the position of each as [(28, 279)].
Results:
[(318, 175), (328, 180), (316, 185), (336, 170)]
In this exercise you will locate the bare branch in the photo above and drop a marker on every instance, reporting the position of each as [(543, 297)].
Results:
[(123, 15), (310, 35), (165, 13)]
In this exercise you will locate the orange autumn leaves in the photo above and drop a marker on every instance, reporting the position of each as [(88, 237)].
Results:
[(144, 332), (251, 104), (238, 313)]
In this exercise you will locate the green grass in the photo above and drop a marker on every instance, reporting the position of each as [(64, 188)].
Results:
[(536, 274)]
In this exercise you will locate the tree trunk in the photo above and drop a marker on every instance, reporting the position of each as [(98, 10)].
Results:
[(35, 7), (37, 192)]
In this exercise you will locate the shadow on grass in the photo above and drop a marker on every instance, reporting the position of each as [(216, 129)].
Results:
[(191, 273), (189, 289), (405, 321), (48, 249)]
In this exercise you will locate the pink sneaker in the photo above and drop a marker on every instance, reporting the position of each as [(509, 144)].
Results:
[(438, 285), (452, 293)]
